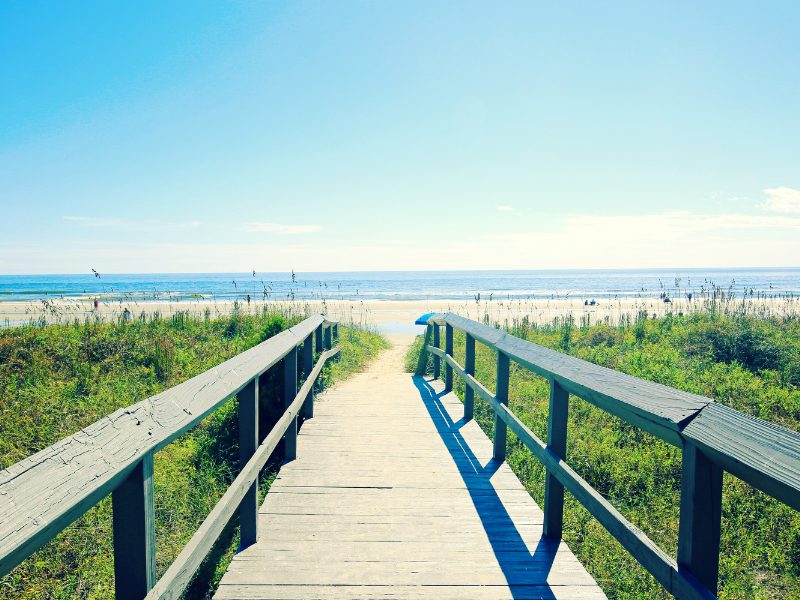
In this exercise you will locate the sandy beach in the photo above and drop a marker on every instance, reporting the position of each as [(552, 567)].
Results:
[(390, 316)]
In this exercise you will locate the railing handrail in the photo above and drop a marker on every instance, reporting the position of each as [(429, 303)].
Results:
[(180, 572), (47, 491), (713, 437)]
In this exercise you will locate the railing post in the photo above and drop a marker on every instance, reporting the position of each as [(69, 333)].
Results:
[(134, 533), (318, 338), (289, 393), (248, 444), (557, 442), (328, 343), (448, 347), (701, 517), (436, 369), (503, 367), (308, 365), (469, 367)]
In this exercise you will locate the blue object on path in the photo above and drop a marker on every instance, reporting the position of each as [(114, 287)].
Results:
[(423, 320)]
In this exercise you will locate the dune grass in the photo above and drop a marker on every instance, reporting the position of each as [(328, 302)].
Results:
[(55, 380), (749, 363)]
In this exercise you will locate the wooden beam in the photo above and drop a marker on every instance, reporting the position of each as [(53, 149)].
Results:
[(557, 442), (308, 365), (44, 493), (135, 533), (701, 517), (503, 372), (248, 443), (436, 365), (289, 393), (318, 338), (469, 368), (328, 343), (655, 408), (448, 370), (765, 455), (183, 568)]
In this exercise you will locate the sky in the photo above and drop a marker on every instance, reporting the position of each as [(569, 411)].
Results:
[(340, 136)]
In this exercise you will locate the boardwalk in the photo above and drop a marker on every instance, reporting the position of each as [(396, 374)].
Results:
[(394, 496)]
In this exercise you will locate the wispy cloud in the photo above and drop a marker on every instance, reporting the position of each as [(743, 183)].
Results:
[(281, 229), (131, 225), (782, 199), (504, 208), (95, 221)]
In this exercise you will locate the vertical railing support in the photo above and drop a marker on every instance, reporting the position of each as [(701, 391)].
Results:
[(701, 517), (308, 365), (328, 342), (469, 367), (448, 347), (503, 368), (436, 368), (248, 444), (135, 533), (289, 393), (338, 357), (557, 442), (318, 338)]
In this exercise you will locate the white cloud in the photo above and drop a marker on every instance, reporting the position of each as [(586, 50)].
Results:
[(782, 199), (668, 240), (504, 208), (281, 229)]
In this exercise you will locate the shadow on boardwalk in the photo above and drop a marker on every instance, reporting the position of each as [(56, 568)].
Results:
[(520, 567)]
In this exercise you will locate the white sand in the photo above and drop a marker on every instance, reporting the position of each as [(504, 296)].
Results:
[(367, 312)]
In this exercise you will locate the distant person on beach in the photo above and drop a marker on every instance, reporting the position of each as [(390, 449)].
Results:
[(95, 304), (248, 299), (127, 314)]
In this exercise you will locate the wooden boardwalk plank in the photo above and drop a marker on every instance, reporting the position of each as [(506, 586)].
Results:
[(393, 495)]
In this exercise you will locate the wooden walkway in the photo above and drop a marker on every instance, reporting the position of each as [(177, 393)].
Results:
[(394, 496)]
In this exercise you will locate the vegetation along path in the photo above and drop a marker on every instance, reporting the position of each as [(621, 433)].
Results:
[(394, 495)]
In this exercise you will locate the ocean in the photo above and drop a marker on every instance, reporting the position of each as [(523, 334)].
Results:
[(401, 285)]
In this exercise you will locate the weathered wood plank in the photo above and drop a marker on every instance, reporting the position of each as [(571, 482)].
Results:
[(700, 517), (134, 522), (42, 494), (557, 442), (765, 455), (655, 408), (248, 444), (181, 571), (469, 369), (434, 508), (429, 592)]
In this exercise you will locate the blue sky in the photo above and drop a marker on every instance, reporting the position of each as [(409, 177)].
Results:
[(229, 136)]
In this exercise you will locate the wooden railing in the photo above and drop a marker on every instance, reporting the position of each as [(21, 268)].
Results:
[(46, 492), (712, 438)]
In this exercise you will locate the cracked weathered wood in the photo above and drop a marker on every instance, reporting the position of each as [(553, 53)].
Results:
[(765, 455), (655, 408), (42, 494), (181, 571)]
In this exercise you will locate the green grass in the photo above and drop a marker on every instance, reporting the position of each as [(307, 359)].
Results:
[(58, 379), (748, 363)]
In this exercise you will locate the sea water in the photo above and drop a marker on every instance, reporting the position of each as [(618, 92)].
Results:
[(401, 285)]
